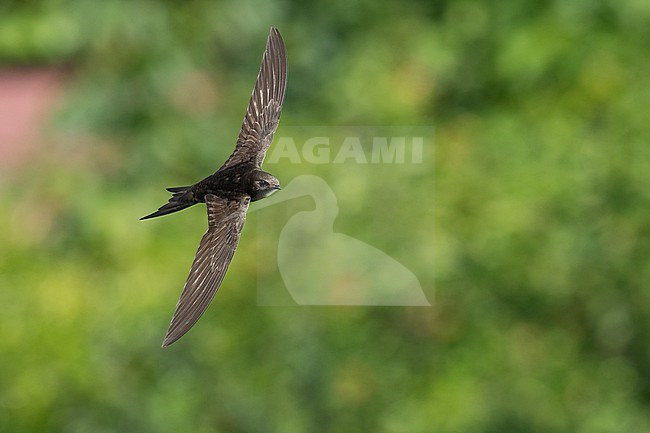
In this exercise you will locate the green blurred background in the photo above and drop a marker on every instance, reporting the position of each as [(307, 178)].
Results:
[(538, 198)]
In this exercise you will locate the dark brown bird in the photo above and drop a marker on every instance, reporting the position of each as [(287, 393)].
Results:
[(228, 192)]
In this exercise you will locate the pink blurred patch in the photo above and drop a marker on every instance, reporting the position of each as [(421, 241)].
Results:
[(27, 97)]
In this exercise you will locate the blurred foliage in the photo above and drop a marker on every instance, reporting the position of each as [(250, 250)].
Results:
[(538, 201)]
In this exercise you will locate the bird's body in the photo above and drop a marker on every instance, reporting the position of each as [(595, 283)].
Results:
[(231, 183), (228, 192)]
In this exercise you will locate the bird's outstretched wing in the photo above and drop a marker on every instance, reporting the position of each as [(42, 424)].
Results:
[(225, 221), (265, 106)]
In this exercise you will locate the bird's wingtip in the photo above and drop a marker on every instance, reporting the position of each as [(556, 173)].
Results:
[(171, 337)]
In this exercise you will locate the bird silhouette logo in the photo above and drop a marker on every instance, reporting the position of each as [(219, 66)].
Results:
[(228, 192), (321, 267)]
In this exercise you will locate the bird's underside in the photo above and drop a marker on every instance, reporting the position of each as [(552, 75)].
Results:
[(228, 192)]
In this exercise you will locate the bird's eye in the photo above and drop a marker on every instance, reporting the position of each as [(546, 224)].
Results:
[(264, 183)]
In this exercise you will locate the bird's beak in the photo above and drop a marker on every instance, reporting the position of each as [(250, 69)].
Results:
[(277, 187)]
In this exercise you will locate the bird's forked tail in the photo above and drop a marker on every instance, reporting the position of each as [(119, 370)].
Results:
[(182, 198)]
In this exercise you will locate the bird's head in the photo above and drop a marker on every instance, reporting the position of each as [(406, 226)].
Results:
[(262, 184)]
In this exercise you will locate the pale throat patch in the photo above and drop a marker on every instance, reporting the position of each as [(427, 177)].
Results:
[(270, 192)]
